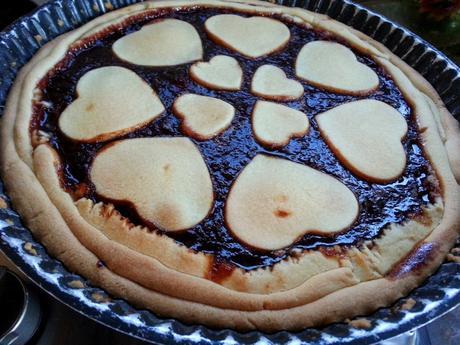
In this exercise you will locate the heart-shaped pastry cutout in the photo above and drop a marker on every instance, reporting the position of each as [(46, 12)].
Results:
[(203, 117), (334, 67), (220, 73), (165, 179), (275, 124), (366, 137), (274, 202), (165, 42), (271, 82), (112, 101), (253, 37)]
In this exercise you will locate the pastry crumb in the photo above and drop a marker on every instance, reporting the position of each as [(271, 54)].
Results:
[(408, 304), (76, 284), (29, 248), (9, 221), (96, 8), (360, 323), (99, 298), (108, 6), (60, 22), (38, 38), (3, 203), (13, 64), (453, 258)]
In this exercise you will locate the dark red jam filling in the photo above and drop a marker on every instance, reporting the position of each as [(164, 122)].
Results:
[(227, 154)]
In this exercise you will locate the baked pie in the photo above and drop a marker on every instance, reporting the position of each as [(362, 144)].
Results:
[(233, 163)]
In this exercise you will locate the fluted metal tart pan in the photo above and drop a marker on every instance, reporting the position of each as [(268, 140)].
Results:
[(438, 295)]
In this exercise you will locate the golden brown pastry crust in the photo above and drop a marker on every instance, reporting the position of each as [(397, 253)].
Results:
[(309, 290)]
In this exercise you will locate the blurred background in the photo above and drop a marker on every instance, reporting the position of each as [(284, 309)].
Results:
[(437, 21)]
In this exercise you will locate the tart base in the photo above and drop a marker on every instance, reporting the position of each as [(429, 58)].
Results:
[(55, 220)]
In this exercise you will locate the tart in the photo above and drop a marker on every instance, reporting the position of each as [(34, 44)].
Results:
[(235, 164)]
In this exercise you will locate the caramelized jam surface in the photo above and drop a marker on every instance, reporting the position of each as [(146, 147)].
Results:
[(228, 153)]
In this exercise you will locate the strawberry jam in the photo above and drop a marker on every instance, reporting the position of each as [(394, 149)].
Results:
[(227, 154)]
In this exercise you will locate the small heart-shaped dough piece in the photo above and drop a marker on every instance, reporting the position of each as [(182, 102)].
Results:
[(220, 73), (274, 202), (112, 101), (165, 179), (203, 117), (271, 82), (165, 42), (366, 137), (275, 124), (334, 67), (253, 37)]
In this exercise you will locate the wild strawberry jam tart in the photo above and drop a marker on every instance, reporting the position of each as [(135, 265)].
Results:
[(235, 163)]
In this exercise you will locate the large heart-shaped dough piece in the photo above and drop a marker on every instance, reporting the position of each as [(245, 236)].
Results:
[(275, 124), (165, 42), (271, 82), (253, 37), (220, 73), (274, 202), (165, 179), (203, 117), (334, 67), (366, 137), (112, 101)]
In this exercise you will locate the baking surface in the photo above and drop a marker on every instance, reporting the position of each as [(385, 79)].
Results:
[(64, 325)]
